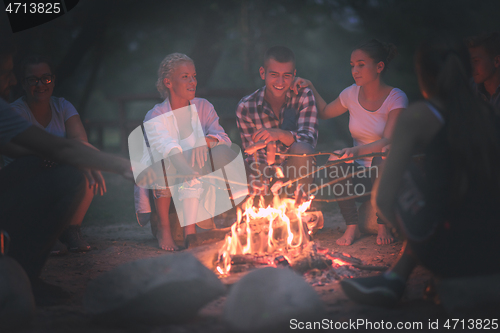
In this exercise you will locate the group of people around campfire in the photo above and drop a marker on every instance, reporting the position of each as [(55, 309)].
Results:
[(445, 203), (284, 113)]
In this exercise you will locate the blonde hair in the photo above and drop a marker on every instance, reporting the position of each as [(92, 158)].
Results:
[(167, 66)]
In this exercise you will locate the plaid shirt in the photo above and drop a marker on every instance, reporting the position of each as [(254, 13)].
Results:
[(254, 112)]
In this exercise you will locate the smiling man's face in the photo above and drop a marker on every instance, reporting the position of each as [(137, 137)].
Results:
[(278, 77)]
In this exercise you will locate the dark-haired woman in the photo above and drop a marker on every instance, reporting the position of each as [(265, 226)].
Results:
[(373, 108), (448, 211), (59, 117)]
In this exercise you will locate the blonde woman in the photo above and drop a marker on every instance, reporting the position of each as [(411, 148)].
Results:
[(182, 137)]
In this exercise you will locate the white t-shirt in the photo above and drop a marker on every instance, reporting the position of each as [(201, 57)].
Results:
[(368, 126), (62, 110)]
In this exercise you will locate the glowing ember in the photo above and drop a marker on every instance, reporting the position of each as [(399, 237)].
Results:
[(339, 262), (277, 228)]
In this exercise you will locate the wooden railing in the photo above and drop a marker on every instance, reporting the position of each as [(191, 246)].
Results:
[(125, 125)]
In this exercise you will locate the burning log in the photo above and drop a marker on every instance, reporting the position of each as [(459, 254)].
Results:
[(311, 261), (281, 261), (279, 235), (277, 228)]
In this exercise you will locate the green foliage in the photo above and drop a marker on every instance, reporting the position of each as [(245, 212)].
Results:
[(228, 38)]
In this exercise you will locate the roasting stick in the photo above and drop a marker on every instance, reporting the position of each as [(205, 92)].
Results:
[(312, 154), (253, 151), (330, 164), (257, 166), (344, 198), (354, 174), (370, 268), (262, 144)]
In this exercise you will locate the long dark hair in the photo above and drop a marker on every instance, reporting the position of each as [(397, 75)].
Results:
[(444, 71)]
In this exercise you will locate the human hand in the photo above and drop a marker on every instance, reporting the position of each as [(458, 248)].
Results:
[(100, 184), (147, 177), (96, 181), (192, 181), (267, 135), (128, 175), (211, 142), (386, 150), (334, 156), (299, 84), (345, 153), (199, 155)]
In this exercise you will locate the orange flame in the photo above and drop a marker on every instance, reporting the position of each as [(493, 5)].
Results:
[(261, 230), (339, 262)]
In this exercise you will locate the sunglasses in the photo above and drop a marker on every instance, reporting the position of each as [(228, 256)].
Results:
[(45, 79)]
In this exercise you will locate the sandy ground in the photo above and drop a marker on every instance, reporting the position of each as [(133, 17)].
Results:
[(117, 239)]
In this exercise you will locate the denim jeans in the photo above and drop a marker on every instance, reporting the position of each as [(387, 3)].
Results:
[(351, 186)]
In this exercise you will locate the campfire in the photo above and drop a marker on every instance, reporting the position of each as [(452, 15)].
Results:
[(280, 235)]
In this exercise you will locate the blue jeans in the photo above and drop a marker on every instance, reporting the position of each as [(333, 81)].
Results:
[(350, 187)]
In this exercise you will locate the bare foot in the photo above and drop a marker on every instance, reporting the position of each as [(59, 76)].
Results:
[(350, 234), (165, 240), (384, 235)]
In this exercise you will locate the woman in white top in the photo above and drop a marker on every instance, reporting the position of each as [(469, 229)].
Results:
[(58, 117), (373, 108), (179, 137), (449, 210)]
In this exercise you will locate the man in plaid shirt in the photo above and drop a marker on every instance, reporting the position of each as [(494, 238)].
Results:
[(275, 113)]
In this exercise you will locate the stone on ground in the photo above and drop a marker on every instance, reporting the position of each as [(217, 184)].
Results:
[(266, 299), (167, 289), (469, 296)]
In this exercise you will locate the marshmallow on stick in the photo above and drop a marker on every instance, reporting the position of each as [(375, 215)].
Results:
[(254, 147), (270, 150)]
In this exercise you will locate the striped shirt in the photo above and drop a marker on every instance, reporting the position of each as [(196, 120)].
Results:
[(254, 113)]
